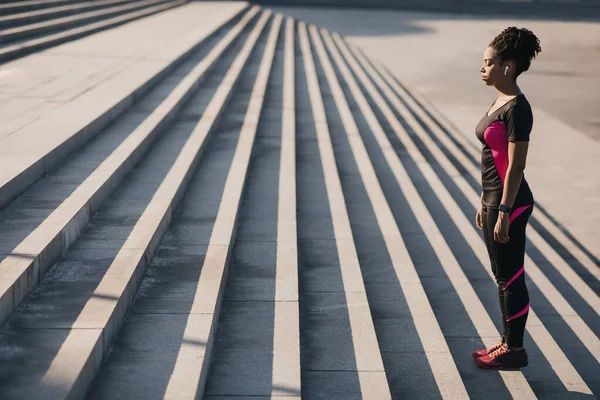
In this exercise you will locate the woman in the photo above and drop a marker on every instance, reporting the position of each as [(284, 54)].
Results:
[(506, 201)]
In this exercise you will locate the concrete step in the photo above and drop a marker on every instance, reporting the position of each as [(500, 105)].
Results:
[(85, 309), (11, 7), (96, 97), (292, 222), (367, 357), (12, 20), (44, 240), (24, 40), (12, 34), (210, 209), (430, 335)]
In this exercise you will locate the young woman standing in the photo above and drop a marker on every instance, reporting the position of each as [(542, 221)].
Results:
[(506, 201)]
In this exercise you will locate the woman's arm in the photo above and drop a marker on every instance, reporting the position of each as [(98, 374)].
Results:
[(517, 158)]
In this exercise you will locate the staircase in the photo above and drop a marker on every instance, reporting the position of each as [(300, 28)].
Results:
[(32, 25), (246, 207)]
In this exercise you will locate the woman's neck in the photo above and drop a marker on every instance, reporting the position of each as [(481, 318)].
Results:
[(507, 91)]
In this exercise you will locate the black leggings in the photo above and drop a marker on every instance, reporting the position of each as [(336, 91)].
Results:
[(508, 267)]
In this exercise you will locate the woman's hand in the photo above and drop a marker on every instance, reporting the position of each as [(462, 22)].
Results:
[(478, 218), (501, 228)]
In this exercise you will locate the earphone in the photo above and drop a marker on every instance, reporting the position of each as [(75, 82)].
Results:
[(505, 69)]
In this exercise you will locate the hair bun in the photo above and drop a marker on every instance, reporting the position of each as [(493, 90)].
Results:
[(520, 45)]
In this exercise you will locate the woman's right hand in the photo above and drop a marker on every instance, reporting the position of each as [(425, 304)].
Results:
[(478, 218)]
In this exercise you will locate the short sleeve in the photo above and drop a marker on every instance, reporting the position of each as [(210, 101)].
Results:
[(519, 121)]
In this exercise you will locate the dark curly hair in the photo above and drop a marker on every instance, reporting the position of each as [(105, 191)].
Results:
[(517, 44)]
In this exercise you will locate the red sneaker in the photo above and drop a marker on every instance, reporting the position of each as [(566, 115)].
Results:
[(481, 353), (504, 358)]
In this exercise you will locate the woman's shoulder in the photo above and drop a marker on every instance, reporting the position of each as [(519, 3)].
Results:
[(518, 119), (520, 106)]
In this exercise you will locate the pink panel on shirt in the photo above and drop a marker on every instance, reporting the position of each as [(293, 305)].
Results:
[(496, 137)]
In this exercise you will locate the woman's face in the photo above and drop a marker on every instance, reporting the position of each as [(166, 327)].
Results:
[(492, 70)]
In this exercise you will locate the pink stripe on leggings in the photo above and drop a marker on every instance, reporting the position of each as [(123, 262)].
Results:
[(517, 212), (514, 277), (520, 313)]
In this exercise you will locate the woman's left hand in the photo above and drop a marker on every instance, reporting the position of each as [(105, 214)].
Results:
[(501, 228)]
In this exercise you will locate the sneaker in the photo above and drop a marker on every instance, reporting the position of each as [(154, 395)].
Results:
[(504, 358), (485, 352)]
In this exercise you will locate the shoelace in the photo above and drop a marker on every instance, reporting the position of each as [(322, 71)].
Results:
[(498, 352), (494, 347)]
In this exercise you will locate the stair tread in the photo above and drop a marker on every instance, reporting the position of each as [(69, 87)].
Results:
[(74, 115)]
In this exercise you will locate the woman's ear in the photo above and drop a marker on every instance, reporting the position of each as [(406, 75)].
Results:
[(508, 67)]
